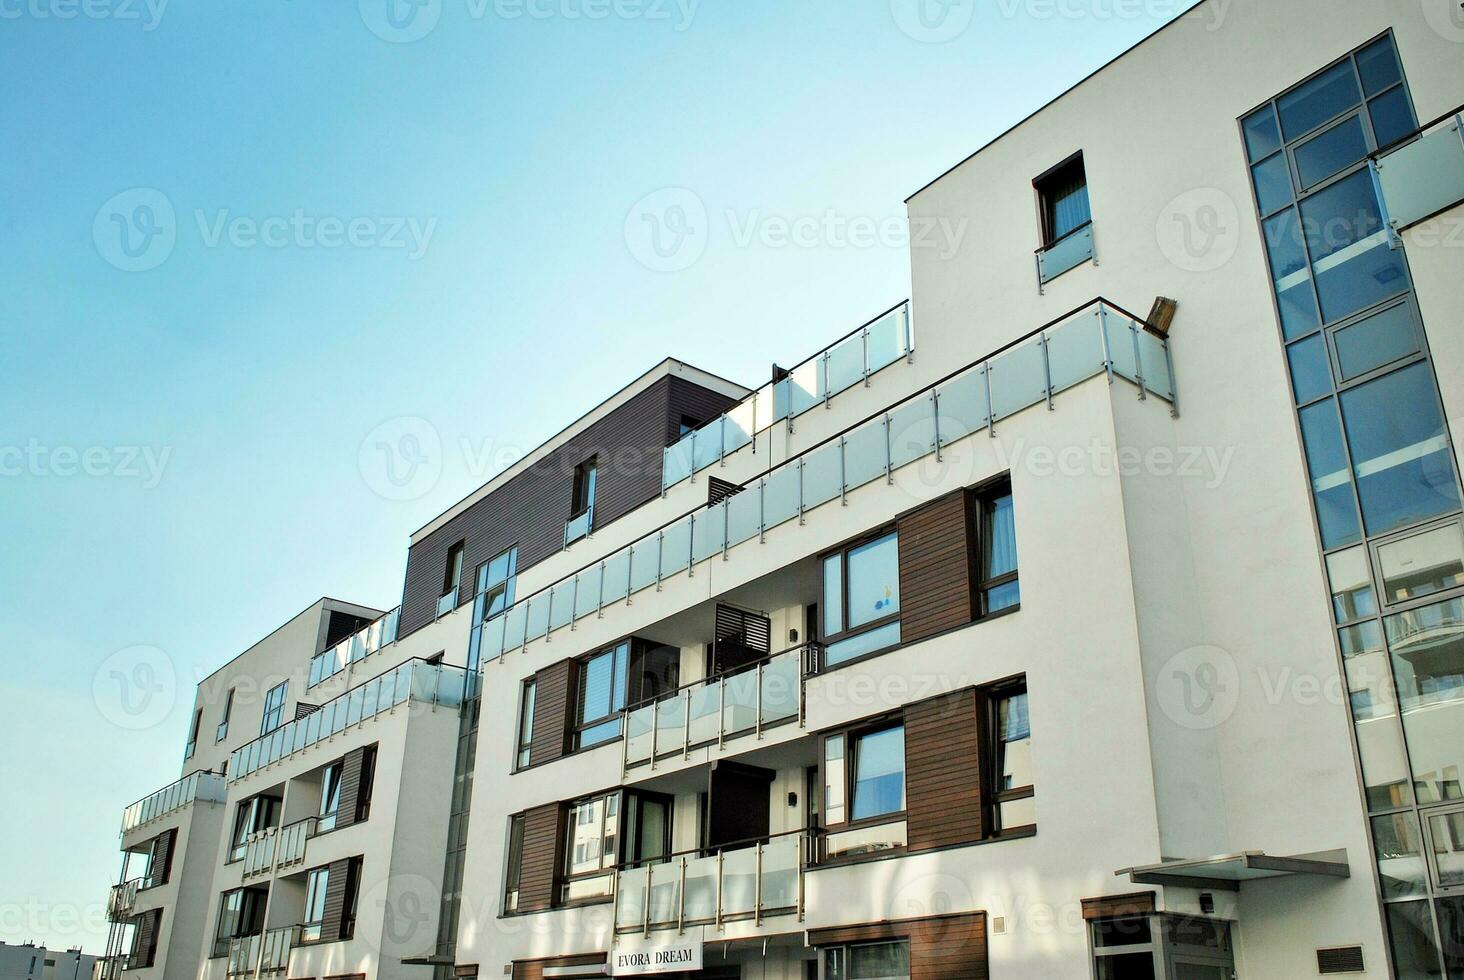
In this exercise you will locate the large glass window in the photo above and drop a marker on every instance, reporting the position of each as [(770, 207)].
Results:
[(602, 680), (591, 848), (254, 814), (526, 723), (1427, 649), (1400, 455), (1385, 772), (313, 922), (868, 961), (495, 584), (879, 773), (1421, 564), (1326, 459), (1353, 262), (861, 603)]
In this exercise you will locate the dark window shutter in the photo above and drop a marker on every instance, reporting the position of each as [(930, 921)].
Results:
[(145, 944), (943, 771), (332, 923), (164, 855), (740, 637), (539, 865), (1343, 959), (552, 710), (351, 769), (302, 709), (720, 490), (937, 567)]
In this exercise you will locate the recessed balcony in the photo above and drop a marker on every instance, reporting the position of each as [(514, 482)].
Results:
[(277, 848), (355, 647)]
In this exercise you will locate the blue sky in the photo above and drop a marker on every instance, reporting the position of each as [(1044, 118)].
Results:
[(333, 223)]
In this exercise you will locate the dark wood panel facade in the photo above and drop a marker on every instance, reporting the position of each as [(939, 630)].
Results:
[(552, 712), (539, 866), (937, 567), (530, 509), (943, 771)]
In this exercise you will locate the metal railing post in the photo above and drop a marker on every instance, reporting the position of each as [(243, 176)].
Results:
[(1138, 361), (573, 604), (757, 886), (1173, 384), (1103, 332), (720, 856), (686, 725), (864, 340), (648, 901), (889, 453), (1046, 368), (681, 900), (843, 476), (758, 718)]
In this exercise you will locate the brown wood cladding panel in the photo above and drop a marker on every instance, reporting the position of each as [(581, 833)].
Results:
[(539, 866), (550, 738), (1113, 906), (534, 969), (937, 571), (333, 920), (350, 789), (530, 509), (943, 771), (946, 947)]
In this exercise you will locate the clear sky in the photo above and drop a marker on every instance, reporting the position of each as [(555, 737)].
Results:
[(238, 236)]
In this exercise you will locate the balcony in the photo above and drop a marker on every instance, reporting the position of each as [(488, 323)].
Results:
[(121, 900), (1424, 176), (851, 361), (357, 646), (109, 967), (207, 786), (1068, 252), (243, 955), (579, 526), (415, 680), (274, 949), (750, 881), (1095, 340), (277, 848), (717, 709)]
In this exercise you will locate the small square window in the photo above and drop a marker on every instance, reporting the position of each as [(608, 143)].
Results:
[(1063, 196)]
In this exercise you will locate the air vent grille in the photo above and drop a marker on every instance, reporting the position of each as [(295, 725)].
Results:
[(1342, 959)]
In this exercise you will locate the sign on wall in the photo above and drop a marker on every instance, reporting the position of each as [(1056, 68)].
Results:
[(636, 956)]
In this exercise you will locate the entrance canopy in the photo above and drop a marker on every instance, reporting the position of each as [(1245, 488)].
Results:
[(1229, 872)]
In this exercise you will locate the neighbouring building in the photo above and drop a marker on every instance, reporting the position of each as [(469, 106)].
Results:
[(28, 961), (1097, 613)]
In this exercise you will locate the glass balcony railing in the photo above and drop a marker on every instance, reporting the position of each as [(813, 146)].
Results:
[(196, 786), (243, 955), (355, 647), (578, 527), (720, 708), (274, 949), (259, 852), (1097, 339), (863, 841), (446, 603), (1425, 175), (122, 898), (277, 848), (415, 680), (1068, 252), (881, 342), (738, 882)]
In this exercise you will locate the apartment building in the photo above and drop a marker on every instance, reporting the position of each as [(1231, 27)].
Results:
[(1097, 613), (28, 961)]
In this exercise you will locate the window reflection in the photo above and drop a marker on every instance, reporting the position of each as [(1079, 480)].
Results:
[(1427, 650)]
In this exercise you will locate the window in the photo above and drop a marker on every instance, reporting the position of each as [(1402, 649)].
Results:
[(864, 790), (222, 732), (495, 584), (274, 708), (1427, 650), (367, 785), (601, 696), (330, 797), (311, 929), (868, 961), (998, 586), (861, 599), (452, 574), (1063, 195), (686, 426), (192, 745), (352, 898), (526, 723), (584, 488), (254, 814), (591, 849), (514, 871), (1012, 762), (1123, 949), (241, 913), (647, 828), (1421, 563)]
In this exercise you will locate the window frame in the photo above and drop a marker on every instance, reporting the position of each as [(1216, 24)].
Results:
[(513, 863), (567, 878), (487, 592), (367, 785), (524, 733), (987, 497), (319, 874), (993, 696), (842, 552), (1046, 216), (192, 745), (222, 731), (326, 819), (843, 951), (583, 488), (849, 737), (452, 567), (275, 711), (620, 651)]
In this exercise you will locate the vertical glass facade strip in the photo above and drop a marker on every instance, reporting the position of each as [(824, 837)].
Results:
[(1383, 476)]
